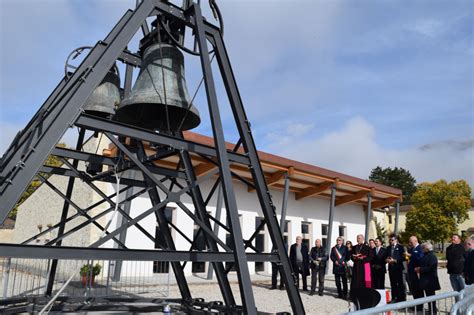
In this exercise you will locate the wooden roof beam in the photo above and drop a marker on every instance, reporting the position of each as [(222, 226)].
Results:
[(384, 202), (350, 198), (204, 168), (276, 177), (314, 190)]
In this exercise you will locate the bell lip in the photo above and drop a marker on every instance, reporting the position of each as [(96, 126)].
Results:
[(139, 114)]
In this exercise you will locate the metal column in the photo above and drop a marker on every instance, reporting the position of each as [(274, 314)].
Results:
[(284, 203), (245, 285), (166, 233), (266, 203), (397, 216), (331, 218), (369, 215), (69, 189)]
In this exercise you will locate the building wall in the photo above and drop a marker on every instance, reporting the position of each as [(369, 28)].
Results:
[(44, 208), (312, 210), (467, 227)]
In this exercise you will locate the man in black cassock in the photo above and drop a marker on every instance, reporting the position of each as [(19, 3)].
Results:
[(362, 255)]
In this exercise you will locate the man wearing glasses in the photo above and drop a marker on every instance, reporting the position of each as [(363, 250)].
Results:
[(395, 258)]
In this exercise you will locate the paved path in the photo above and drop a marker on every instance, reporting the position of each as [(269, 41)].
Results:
[(277, 301)]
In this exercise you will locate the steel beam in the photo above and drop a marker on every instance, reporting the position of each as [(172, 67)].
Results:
[(209, 235), (99, 124), (84, 253), (163, 224), (22, 167), (331, 218), (369, 216), (67, 202), (248, 143), (245, 285), (216, 226)]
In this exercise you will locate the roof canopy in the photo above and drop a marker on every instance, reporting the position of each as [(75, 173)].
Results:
[(306, 180)]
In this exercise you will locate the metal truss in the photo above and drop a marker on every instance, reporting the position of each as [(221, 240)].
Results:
[(64, 108)]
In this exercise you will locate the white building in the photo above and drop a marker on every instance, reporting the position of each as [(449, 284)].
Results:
[(307, 210)]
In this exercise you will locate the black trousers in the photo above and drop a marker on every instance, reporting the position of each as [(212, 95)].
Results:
[(275, 276), (341, 278), (317, 272), (300, 270), (432, 305), (416, 291), (398, 287), (378, 278)]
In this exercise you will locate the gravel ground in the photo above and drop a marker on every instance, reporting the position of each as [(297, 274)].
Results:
[(273, 301)]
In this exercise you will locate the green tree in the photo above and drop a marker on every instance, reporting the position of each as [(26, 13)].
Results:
[(438, 208), (395, 177), (36, 182)]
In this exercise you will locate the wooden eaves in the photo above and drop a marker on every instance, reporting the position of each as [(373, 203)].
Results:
[(306, 180)]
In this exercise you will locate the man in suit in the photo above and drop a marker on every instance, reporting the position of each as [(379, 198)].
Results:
[(415, 257), (395, 258), (318, 258), (428, 274), (339, 256), (299, 259), (378, 265)]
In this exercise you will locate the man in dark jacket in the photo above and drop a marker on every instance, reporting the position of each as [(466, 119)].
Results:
[(318, 258), (395, 258), (455, 257), (299, 260), (415, 256), (378, 265), (428, 273), (469, 261), (339, 256)]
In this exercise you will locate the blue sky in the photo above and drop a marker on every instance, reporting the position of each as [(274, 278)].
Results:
[(346, 85)]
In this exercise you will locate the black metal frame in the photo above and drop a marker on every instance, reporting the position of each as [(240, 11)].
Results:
[(64, 109)]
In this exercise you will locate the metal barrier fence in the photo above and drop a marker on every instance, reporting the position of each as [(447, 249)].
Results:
[(444, 303), (21, 277), (466, 304), (436, 304)]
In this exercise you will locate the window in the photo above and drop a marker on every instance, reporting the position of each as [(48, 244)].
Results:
[(324, 229), (260, 244), (306, 229), (286, 232), (162, 266), (200, 245), (228, 242), (324, 234), (389, 219), (342, 231)]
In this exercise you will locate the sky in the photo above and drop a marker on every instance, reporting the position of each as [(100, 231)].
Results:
[(344, 85)]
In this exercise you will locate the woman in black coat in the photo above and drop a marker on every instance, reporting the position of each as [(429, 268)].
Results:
[(428, 272)]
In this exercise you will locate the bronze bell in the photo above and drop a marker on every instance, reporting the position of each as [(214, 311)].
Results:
[(159, 99), (105, 97)]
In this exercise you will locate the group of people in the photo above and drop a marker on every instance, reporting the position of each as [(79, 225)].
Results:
[(366, 264)]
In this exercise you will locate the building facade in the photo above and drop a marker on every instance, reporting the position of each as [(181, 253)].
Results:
[(307, 211)]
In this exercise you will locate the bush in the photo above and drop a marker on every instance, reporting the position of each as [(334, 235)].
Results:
[(86, 269)]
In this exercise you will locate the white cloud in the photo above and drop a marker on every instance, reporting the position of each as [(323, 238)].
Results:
[(353, 149), (428, 27)]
